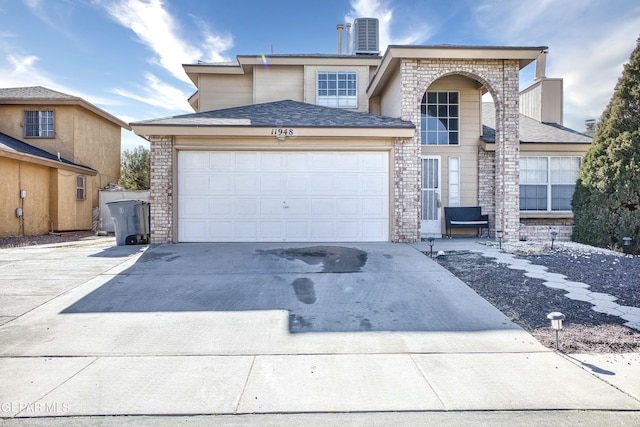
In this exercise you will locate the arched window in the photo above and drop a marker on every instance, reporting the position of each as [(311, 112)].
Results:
[(440, 118)]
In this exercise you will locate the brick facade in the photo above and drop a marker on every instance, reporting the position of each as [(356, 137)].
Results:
[(161, 197), (406, 191), (500, 78)]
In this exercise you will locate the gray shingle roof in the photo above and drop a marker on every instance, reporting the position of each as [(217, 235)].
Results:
[(285, 113), (33, 92), (9, 143), (532, 131)]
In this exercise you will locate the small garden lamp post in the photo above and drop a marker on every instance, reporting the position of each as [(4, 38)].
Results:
[(430, 240), (556, 324), (627, 244), (499, 235), (554, 234)]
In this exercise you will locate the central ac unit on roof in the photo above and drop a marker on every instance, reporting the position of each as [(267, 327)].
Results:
[(365, 36)]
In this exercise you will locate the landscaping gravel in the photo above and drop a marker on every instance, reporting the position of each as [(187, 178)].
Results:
[(527, 301)]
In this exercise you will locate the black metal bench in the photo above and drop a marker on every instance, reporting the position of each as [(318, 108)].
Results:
[(465, 217)]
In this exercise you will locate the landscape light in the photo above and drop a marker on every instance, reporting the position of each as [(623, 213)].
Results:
[(627, 244), (554, 234), (430, 240), (499, 235), (556, 324)]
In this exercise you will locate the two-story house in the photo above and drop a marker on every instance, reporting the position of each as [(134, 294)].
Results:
[(362, 147), (56, 152)]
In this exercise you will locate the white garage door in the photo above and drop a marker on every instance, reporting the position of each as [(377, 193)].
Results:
[(283, 196)]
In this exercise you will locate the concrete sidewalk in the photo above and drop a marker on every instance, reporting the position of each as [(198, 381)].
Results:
[(175, 330)]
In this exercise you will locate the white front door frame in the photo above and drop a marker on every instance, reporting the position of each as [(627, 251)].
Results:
[(431, 196)]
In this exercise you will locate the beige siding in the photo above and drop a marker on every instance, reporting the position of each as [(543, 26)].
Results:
[(391, 98), (218, 91), (467, 150), (542, 101), (275, 83), (363, 81)]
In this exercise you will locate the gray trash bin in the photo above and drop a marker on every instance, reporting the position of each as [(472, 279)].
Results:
[(131, 220)]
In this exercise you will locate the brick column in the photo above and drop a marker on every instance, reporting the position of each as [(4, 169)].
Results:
[(507, 158), (407, 163), (161, 197)]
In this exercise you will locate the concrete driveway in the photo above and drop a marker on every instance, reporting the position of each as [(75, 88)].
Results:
[(264, 328)]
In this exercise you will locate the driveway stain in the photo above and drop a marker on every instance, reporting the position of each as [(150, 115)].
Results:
[(305, 290), (334, 259)]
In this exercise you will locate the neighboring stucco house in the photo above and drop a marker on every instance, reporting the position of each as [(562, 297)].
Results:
[(56, 152), (363, 147)]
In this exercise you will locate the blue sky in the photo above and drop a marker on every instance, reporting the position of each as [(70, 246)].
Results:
[(126, 56)]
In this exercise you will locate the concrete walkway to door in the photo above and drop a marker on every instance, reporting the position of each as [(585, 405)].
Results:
[(193, 329)]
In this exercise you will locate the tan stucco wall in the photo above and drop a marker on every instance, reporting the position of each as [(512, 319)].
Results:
[(67, 213), (98, 146), (80, 136), (17, 175)]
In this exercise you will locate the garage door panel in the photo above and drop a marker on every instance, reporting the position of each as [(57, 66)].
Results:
[(374, 162), (283, 196), (246, 183), (194, 183), (271, 184), (194, 161), (297, 162), (373, 207), (196, 207), (218, 184), (245, 161), (271, 231), (271, 207), (221, 208), (218, 161), (348, 208), (374, 184)]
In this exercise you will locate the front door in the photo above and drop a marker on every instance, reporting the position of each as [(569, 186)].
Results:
[(431, 182)]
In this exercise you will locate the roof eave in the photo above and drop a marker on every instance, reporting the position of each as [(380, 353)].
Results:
[(145, 130), (46, 162)]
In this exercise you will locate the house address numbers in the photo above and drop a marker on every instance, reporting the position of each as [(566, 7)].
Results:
[(282, 132)]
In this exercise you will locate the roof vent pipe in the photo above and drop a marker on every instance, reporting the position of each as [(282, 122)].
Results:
[(348, 36), (339, 27)]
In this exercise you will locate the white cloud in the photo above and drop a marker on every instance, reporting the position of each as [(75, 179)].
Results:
[(158, 94), (588, 41), (158, 29), (384, 14)]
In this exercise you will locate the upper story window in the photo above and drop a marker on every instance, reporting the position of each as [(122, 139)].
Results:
[(440, 118), (38, 124), (547, 183), (337, 89)]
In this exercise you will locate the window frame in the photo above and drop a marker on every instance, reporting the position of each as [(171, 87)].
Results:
[(44, 125), (454, 181), (81, 187), (551, 184), (445, 124), (337, 101)]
